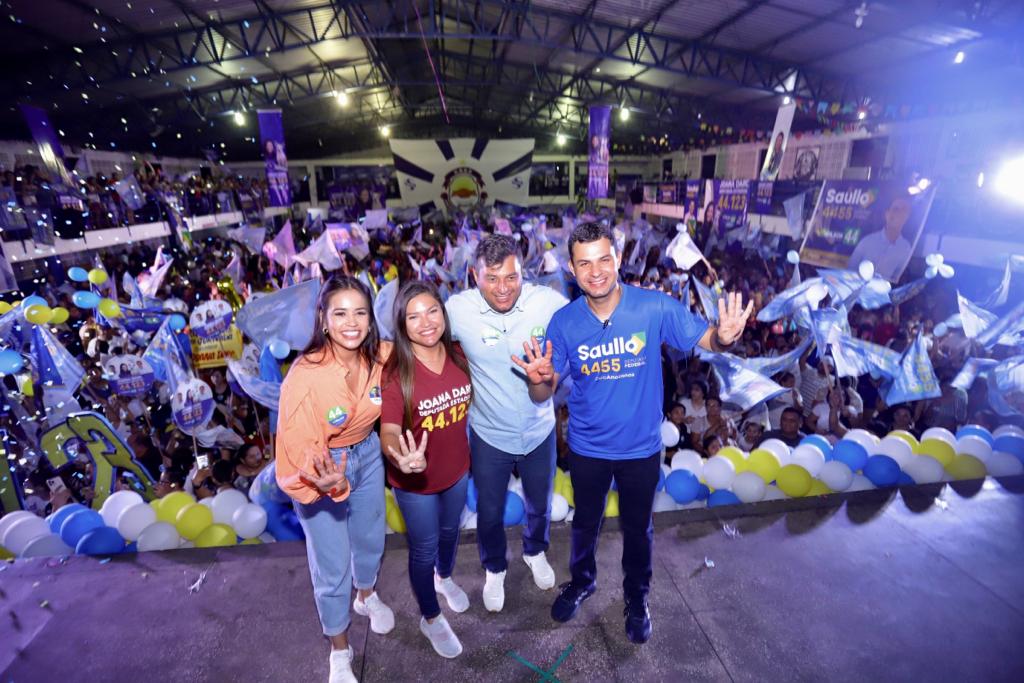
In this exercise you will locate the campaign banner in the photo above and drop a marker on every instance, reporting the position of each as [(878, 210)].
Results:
[(761, 196), (778, 142), (214, 352), (730, 204), (667, 193), (192, 405), (862, 220), (597, 164), (45, 135), (211, 319), (274, 156), (128, 375)]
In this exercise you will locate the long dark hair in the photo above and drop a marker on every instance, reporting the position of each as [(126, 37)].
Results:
[(319, 346), (402, 363)]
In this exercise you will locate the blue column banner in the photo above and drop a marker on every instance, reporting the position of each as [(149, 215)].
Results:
[(597, 165), (272, 144)]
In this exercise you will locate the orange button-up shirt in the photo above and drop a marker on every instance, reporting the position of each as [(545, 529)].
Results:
[(318, 411)]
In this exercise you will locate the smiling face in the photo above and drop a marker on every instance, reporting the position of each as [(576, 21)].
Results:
[(595, 266), (424, 320), (500, 285), (347, 318)]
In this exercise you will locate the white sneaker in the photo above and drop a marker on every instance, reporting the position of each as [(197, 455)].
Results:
[(441, 637), (382, 619), (341, 667), (543, 574), (494, 591), (457, 599)]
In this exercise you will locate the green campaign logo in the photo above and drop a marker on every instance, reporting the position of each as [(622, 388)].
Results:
[(337, 416), (636, 343)]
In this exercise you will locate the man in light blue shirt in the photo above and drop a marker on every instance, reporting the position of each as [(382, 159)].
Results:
[(507, 428)]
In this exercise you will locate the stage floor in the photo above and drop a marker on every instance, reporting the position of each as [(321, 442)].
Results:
[(870, 586)]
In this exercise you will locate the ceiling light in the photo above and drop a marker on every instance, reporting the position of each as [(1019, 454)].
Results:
[(861, 115), (560, 139), (385, 131), (959, 59), (786, 100), (239, 118), (623, 114), (342, 98), (981, 178)]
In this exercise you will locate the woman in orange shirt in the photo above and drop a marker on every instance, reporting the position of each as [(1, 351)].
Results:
[(329, 462)]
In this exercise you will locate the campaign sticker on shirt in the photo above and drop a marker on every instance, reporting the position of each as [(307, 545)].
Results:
[(538, 334), (375, 397), (490, 336), (336, 416)]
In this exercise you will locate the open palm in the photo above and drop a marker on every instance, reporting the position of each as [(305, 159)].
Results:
[(732, 317)]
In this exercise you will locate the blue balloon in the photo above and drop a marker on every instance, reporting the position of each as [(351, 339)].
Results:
[(177, 322), (10, 362), (515, 509), (78, 274), (722, 497), (102, 541), (58, 517), (882, 470), (851, 454), (1010, 443), (86, 299), (819, 442), (704, 492), (282, 523), (471, 495), (132, 547), (905, 479), (78, 524), (661, 479), (279, 349), (683, 486), (34, 300), (976, 430)]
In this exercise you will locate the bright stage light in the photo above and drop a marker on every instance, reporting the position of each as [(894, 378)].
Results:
[(624, 114), (786, 100), (981, 178), (239, 118), (1009, 181), (959, 59), (861, 115), (342, 99), (385, 131), (560, 139)]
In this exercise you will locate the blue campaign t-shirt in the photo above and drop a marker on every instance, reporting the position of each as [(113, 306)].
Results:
[(617, 392)]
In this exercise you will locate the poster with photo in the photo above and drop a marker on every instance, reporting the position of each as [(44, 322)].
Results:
[(806, 165), (192, 405), (128, 375), (211, 318)]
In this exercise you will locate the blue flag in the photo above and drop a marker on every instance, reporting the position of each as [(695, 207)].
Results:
[(771, 366), (826, 325), (971, 370), (999, 296), (973, 317), (1004, 330), (1006, 386), (739, 384), (855, 357), (53, 364), (169, 354), (708, 300), (788, 302), (843, 285), (908, 291), (287, 314), (384, 309), (915, 379)]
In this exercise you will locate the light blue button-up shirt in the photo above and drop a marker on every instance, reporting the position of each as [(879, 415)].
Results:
[(502, 412)]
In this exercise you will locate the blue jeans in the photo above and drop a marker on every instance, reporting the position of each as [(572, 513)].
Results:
[(491, 471), (345, 541), (432, 532)]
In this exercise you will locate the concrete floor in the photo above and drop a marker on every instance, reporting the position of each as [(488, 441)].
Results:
[(867, 587)]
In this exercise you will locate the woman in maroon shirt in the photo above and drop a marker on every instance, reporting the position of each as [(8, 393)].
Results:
[(423, 433)]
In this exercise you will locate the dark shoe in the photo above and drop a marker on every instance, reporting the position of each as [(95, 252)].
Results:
[(638, 620), (569, 599)]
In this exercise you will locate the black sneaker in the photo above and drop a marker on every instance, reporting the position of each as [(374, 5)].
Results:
[(569, 599), (638, 620)]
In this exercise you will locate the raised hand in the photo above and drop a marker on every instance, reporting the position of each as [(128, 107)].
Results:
[(412, 459), (327, 475), (732, 317), (537, 366)]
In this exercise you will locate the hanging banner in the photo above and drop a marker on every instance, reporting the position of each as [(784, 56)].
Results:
[(274, 156), (214, 352), (597, 164), (731, 200), (777, 144), (45, 135), (761, 197), (861, 220)]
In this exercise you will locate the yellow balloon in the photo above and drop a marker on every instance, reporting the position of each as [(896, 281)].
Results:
[(395, 519), (171, 505), (611, 506), (216, 535), (192, 520), (60, 316), (764, 464), (966, 466), (97, 276), (818, 488), (27, 387), (37, 314), (110, 308), (16, 303), (155, 503), (938, 449), (567, 492), (5, 307), (794, 481), (6, 554), (735, 456), (255, 540), (906, 436)]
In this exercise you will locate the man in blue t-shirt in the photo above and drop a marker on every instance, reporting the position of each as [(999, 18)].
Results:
[(610, 341)]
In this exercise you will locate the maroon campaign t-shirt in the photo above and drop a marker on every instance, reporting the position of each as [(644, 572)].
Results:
[(439, 405)]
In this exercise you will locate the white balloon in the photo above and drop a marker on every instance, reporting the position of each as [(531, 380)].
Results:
[(866, 269), (860, 483), (116, 503), (688, 460), (559, 507), (185, 543), (158, 536), (24, 531), (719, 472), (48, 545), (267, 538), (773, 492), (665, 469), (940, 433), (793, 257), (249, 520), (1002, 464), (749, 487), (924, 469), (669, 434), (815, 293), (941, 330), (836, 475), (1008, 429), (896, 448), (663, 502), (865, 438), (10, 518), (208, 502), (225, 503), (515, 485), (808, 457), (972, 444), (468, 522), (134, 520), (780, 449)]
